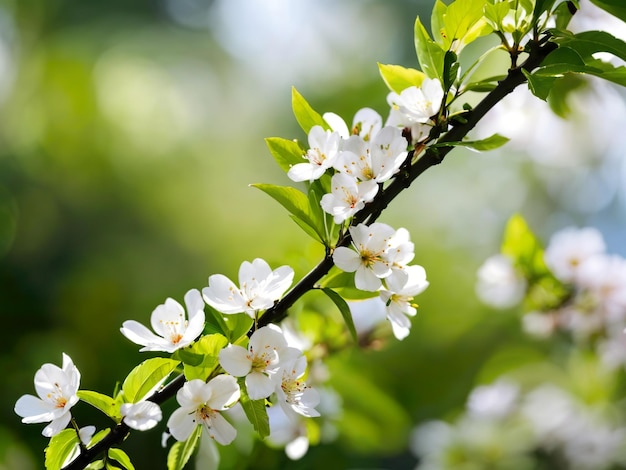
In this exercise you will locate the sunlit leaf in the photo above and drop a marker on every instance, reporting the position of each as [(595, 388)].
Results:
[(591, 42), (208, 348), (398, 78), (59, 448), (122, 458), (147, 375), (429, 54), (306, 116), (109, 406), (181, 452), (463, 22), (298, 205), (344, 309), (492, 142), (285, 152)]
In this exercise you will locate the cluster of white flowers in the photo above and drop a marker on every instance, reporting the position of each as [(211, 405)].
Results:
[(379, 258), (503, 427), (367, 155), (594, 310)]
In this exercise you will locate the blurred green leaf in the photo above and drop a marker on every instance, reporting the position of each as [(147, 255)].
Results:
[(146, 376), (181, 452), (208, 347), (399, 78), (122, 458), (109, 406), (59, 448), (306, 116), (344, 309), (285, 152), (429, 54), (614, 7)]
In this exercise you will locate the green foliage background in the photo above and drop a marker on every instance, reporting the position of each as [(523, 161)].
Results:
[(127, 143)]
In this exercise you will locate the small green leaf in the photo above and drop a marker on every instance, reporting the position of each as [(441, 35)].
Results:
[(99, 436), (489, 143), (298, 205), (590, 42), (399, 78), (343, 308), (122, 458), (145, 377), (97, 465), (215, 322), (538, 85), (463, 22), (208, 347), (485, 85), (285, 152), (109, 406), (450, 69), (239, 325), (255, 412), (59, 448), (429, 54), (181, 452), (306, 116)]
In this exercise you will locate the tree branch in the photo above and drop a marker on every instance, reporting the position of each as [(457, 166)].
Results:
[(431, 157)]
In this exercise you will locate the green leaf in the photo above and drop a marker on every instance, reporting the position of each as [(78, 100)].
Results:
[(538, 85), (145, 377), (344, 309), (97, 465), (463, 22), (215, 323), (450, 69), (59, 448), (306, 116), (109, 406), (181, 452), (429, 54), (122, 458), (614, 7), (208, 347), (399, 78), (239, 325), (590, 42), (298, 205), (285, 152), (484, 85), (255, 412), (99, 436), (489, 143)]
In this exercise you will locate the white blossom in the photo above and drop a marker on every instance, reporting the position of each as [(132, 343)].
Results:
[(603, 278), (398, 298), (569, 248), (288, 432), (259, 288), (292, 392), (200, 404), (378, 159), (262, 359), (141, 416), (366, 124), (368, 258), (499, 284), (347, 196), (173, 330), (323, 149), (496, 400), (57, 389)]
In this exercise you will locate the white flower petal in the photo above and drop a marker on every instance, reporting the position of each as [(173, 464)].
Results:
[(223, 295), (225, 392), (235, 360), (181, 424), (259, 385), (221, 430)]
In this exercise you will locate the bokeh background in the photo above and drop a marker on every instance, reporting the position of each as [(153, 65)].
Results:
[(129, 132)]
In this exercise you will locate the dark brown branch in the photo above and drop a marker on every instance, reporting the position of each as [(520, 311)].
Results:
[(432, 156)]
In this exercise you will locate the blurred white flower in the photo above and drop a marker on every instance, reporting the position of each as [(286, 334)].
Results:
[(285, 431), (604, 278), (569, 248), (499, 284), (293, 394), (496, 400), (539, 324)]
